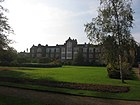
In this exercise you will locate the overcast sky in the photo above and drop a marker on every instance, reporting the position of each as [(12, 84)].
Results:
[(54, 21)]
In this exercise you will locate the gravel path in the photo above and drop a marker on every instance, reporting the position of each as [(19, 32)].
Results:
[(49, 98)]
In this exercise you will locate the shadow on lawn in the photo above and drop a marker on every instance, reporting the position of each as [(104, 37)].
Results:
[(12, 73), (20, 77), (9, 74)]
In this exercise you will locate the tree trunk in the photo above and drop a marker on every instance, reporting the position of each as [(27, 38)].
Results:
[(121, 71)]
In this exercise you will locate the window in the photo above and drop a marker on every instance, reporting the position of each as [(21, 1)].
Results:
[(84, 50), (47, 50), (69, 47), (90, 55), (69, 50), (63, 54), (33, 51), (97, 50), (63, 49), (69, 44), (39, 55), (52, 50), (39, 50), (76, 49), (91, 50), (62, 57), (69, 55), (75, 52), (57, 50)]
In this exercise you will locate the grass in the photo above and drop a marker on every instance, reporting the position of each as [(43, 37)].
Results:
[(77, 74), (95, 75)]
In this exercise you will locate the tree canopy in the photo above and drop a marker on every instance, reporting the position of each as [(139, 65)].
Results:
[(112, 28), (5, 28), (6, 52)]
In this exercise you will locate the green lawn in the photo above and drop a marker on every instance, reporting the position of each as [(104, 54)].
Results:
[(78, 74), (95, 75)]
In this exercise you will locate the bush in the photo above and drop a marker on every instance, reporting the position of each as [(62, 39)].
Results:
[(41, 65), (44, 60), (114, 71)]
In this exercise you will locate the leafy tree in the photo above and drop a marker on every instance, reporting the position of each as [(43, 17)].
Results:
[(109, 46), (23, 57), (137, 60), (114, 23), (7, 57), (5, 30)]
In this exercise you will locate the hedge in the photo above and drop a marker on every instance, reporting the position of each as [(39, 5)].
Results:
[(41, 65)]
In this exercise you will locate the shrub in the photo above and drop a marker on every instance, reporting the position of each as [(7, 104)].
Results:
[(41, 65), (44, 60), (114, 71)]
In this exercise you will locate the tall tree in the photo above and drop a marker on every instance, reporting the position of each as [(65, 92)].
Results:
[(8, 57), (115, 19), (5, 28)]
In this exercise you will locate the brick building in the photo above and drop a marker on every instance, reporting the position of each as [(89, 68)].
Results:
[(67, 52)]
